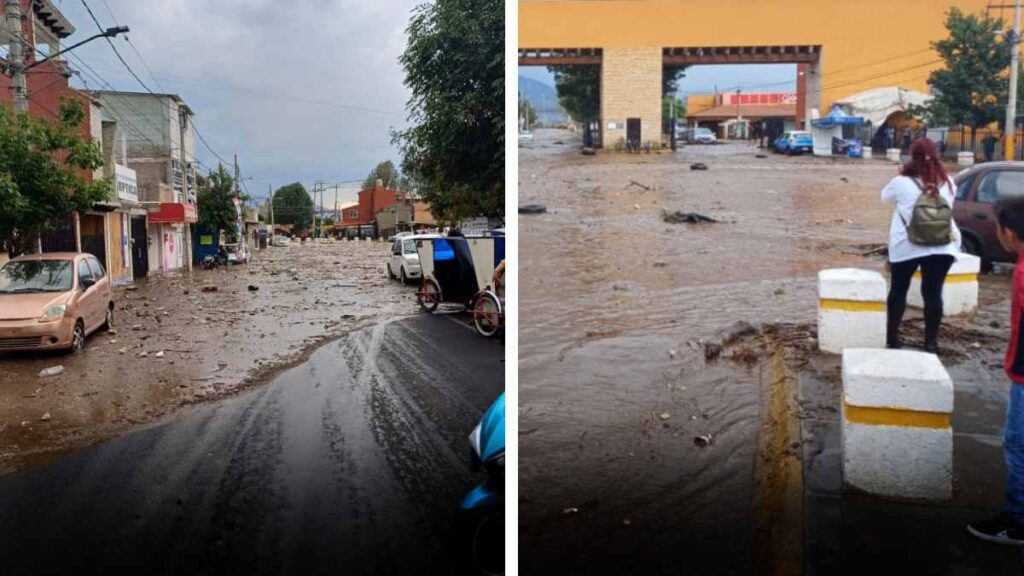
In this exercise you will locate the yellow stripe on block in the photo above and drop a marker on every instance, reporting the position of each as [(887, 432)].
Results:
[(852, 305), (894, 417), (954, 278)]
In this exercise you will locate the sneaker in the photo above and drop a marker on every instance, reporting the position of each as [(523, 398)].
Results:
[(1000, 529)]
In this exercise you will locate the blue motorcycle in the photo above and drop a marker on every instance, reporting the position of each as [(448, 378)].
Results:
[(480, 528)]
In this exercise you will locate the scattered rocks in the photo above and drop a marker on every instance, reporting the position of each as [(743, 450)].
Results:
[(589, 151), (253, 288), (698, 166), (210, 288), (702, 441), (46, 416), (679, 217), (532, 208), (159, 354)]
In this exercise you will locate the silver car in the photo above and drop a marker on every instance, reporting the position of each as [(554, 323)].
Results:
[(404, 262)]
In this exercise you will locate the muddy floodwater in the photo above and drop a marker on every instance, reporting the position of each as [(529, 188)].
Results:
[(189, 338), (653, 423)]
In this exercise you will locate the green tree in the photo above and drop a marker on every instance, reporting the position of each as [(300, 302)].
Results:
[(455, 67), (666, 107), (390, 175), (216, 202), (292, 205), (40, 182), (579, 90), (972, 88), (526, 112)]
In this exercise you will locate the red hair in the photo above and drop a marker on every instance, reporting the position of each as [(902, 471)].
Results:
[(926, 165)]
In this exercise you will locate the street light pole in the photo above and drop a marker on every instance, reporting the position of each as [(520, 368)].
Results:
[(1011, 101)]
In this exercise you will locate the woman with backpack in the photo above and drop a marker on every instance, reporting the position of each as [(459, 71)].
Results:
[(922, 236)]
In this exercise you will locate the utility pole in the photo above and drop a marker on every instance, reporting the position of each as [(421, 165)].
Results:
[(316, 186), (337, 217), (1011, 104), (16, 57), (270, 194)]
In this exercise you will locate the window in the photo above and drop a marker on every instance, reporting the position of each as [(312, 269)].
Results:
[(1001, 184), (84, 274), (97, 268), (353, 214), (963, 188), (409, 247), (396, 247)]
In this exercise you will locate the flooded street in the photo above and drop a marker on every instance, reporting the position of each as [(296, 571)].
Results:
[(191, 338), (630, 350), (354, 461)]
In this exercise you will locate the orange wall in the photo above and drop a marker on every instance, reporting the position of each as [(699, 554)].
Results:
[(699, 102), (855, 34)]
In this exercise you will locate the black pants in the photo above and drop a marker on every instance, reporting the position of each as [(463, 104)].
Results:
[(933, 275)]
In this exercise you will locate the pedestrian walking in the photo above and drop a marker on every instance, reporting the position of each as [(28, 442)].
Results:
[(988, 145), (1008, 526), (890, 136), (906, 139), (922, 235)]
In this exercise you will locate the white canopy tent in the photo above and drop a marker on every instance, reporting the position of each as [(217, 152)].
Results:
[(877, 104)]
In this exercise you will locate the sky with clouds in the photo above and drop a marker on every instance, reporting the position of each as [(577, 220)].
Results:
[(303, 90)]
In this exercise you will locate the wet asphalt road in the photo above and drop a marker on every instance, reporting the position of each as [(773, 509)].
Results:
[(351, 463)]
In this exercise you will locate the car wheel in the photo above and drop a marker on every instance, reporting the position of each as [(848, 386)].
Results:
[(108, 323), (391, 275), (78, 337)]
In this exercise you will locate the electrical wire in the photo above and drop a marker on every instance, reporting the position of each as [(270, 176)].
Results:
[(114, 48)]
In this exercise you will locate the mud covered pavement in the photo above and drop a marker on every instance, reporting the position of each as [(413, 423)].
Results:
[(353, 462), (661, 365), (177, 342)]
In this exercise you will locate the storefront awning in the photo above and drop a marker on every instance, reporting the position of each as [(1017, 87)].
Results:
[(172, 212)]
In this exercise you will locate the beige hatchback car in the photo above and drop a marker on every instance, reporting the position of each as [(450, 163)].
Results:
[(53, 301)]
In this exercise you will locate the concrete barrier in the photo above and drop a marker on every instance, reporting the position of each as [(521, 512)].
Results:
[(865, 153), (892, 154), (965, 158), (851, 309), (959, 293), (896, 436)]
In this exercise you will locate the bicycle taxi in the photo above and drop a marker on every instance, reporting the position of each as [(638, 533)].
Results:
[(459, 270)]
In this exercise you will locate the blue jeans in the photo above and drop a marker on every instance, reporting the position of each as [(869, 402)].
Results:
[(1013, 446)]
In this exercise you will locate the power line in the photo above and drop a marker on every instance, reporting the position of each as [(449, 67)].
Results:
[(114, 48)]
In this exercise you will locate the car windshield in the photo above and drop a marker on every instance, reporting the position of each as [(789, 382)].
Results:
[(409, 246), (36, 276)]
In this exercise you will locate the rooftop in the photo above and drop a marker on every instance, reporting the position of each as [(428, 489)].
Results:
[(746, 111)]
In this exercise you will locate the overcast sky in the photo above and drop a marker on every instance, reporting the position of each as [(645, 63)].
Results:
[(302, 90)]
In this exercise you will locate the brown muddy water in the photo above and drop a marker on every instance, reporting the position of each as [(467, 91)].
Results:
[(617, 308), (213, 344)]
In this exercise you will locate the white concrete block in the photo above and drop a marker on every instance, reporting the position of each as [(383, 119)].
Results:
[(892, 154), (901, 379), (959, 293), (896, 436), (898, 462), (851, 284), (865, 153), (851, 309), (965, 158)]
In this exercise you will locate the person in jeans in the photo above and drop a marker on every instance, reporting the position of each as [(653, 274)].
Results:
[(1008, 527), (923, 174)]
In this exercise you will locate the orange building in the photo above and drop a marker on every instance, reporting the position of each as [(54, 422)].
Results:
[(840, 48)]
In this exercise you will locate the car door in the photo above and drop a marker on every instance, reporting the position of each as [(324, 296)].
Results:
[(396, 257), (995, 185), (104, 292), (87, 294)]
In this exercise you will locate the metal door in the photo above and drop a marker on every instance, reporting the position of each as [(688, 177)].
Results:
[(140, 248), (633, 132)]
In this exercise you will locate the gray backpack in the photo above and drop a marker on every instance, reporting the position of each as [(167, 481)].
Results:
[(931, 220)]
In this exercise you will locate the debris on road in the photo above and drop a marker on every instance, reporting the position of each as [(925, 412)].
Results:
[(726, 336), (698, 166), (702, 441), (51, 371), (639, 185), (159, 354), (569, 511), (664, 416), (209, 288), (532, 208), (589, 151), (45, 417), (679, 217), (253, 288)]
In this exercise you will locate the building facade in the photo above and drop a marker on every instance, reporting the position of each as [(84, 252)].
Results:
[(360, 221), (836, 56), (160, 148)]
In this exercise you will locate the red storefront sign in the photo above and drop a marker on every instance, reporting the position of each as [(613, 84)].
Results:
[(170, 213)]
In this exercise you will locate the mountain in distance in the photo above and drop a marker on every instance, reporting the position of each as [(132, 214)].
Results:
[(544, 99)]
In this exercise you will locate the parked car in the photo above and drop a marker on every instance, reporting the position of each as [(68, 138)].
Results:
[(53, 301), (236, 254), (977, 190), (794, 142), (282, 241), (404, 262), (703, 136)]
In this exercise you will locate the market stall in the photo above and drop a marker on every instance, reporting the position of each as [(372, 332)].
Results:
[(828, 134)]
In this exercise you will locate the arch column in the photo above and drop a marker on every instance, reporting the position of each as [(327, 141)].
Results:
[(631, 88)]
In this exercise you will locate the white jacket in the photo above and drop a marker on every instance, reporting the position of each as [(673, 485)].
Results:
[(903, 192)]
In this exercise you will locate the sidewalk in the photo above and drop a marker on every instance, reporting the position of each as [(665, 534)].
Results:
[(846, 533)]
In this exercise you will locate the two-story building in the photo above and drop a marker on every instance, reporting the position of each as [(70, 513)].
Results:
[(160, 148), (360, 221)]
